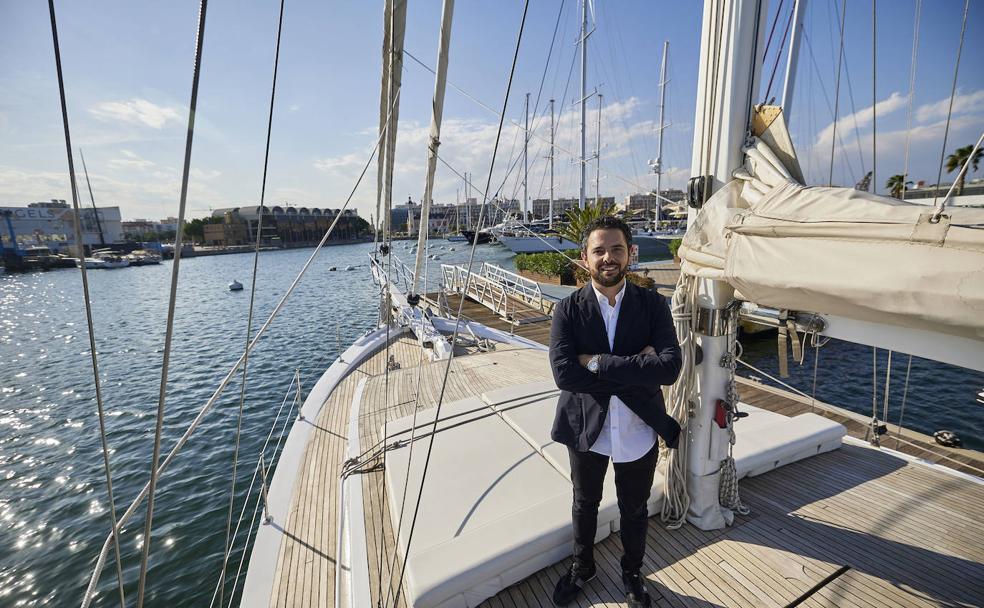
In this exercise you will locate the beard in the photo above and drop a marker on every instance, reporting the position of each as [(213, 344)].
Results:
[(606, 278)]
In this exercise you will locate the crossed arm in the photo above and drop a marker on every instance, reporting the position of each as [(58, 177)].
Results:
[(656, 365)]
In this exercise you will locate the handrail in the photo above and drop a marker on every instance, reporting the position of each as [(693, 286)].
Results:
[(501, 291)]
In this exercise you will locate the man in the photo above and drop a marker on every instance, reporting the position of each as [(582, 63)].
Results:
[(612, 346)]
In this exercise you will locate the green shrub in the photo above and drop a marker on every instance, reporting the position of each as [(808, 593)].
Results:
[(675, 246), (550, 263)]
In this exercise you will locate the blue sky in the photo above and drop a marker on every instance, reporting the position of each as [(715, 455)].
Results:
[(128, 77)]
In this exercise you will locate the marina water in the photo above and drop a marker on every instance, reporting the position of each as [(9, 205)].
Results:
[(53, 506)]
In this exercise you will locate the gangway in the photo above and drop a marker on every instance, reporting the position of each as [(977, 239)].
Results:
[(512, 297)]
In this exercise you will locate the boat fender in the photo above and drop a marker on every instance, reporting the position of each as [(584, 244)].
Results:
[(947, 438), (384, 249)]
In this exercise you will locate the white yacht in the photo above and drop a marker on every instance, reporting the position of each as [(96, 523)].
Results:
[(419, 470)]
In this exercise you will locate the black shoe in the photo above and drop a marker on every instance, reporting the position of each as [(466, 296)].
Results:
[(636, 595), (570, 585)]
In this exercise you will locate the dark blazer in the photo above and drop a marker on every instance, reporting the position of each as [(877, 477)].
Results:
[(578, 328)]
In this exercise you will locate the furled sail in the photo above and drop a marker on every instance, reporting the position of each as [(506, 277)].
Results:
[(840, 251)]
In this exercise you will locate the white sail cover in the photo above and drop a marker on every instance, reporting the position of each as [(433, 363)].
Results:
[(840, 251)]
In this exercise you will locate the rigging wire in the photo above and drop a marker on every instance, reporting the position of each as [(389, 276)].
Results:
[(874, 112), (252, 301), (782, 45), (249, 491), (533, 134), (912, 90), (457, 323), (840, 57), (953, 93), (93, 356), (172, 299), (100, 561)]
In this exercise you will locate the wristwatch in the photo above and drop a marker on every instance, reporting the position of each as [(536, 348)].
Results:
[(593, 364)]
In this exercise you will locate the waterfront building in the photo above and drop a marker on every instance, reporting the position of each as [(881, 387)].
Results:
[(284, 226), (52, 224)]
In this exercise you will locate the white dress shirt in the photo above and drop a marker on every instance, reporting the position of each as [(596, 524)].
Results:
[(624, 436)]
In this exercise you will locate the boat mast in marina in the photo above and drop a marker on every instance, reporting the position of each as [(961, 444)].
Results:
[(657, 164), (584, 91)]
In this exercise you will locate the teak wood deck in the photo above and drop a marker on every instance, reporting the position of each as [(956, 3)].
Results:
[(908, 535)]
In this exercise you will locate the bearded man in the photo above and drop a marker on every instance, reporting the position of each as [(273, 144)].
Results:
[(612, 347)]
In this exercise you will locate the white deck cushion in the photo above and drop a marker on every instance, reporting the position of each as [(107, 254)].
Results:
[(760, 449), (493, 510), (530, 409)]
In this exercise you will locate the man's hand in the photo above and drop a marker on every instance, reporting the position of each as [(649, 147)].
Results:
[(649, 350), (583, 359)]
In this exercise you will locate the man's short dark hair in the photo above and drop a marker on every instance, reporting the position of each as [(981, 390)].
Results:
[(607, 222)]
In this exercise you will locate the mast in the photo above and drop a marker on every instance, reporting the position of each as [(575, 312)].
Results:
[(551, 206), (598, 157), (792, 59), (526, 165), (440, 84), (95, 212), (728, 80), (584, 90), (658, 168)]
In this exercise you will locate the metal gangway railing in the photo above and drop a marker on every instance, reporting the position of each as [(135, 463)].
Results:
[(509, 295)]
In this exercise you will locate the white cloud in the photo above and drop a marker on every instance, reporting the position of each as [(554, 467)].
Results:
[(962, 103), (862, 118), (339, 163), (136, 111)]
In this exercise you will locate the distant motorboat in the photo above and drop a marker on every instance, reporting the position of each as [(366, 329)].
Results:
[(143, 257), (350, 268), (235, 286), (105, 259), (332, 269)]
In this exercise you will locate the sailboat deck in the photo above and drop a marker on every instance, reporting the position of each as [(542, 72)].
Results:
[(909, 534)]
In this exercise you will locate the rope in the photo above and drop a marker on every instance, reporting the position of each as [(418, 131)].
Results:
[(681, 403), (728, 495), (949, 111), (461, 303), (172, 298), (912, 91), (100, 561), (252, 301), (840, 57), (88, 302)]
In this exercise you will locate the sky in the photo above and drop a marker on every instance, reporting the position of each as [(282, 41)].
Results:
[(128, 74)]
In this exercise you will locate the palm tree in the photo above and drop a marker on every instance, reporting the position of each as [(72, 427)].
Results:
[(897, 185), (578, 220), (956, 160)]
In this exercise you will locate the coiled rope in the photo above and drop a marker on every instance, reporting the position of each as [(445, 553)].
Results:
[(681, 403)]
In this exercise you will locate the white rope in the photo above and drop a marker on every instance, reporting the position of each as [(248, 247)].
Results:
[(905, 393), (840, 57), (681, 403)]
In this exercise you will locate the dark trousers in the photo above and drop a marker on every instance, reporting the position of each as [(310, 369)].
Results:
[(633, 483)]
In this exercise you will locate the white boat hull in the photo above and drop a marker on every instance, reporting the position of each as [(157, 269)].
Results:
[(536, 244)]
